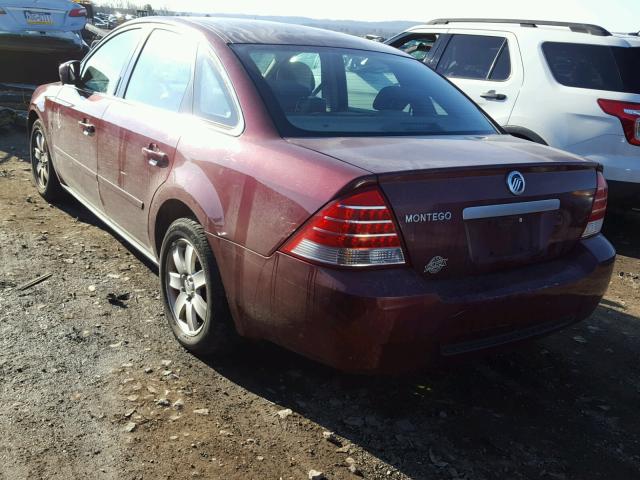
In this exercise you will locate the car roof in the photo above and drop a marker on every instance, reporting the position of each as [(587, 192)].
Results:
[(531, 29), (249, 31)]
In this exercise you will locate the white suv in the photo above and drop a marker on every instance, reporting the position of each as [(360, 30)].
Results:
[(568, 85)]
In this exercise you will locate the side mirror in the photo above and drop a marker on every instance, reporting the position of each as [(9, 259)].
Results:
[(69, 72)]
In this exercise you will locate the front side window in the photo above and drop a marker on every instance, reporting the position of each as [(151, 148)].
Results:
[(163, 71), (337, 91), (213, 100), (597, 67), (101, 72), (474, 57), (419, 47)]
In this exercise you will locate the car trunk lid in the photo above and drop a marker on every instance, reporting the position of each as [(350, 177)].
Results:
[(37, 15), (462, 222), (453, 204)]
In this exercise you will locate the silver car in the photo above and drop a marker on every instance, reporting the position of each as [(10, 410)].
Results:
[(21, 16)]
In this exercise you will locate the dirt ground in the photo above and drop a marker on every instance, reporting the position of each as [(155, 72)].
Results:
[(92, 389)]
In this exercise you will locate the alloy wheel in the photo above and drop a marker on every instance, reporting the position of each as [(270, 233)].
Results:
[(186, 285), (41, 160)]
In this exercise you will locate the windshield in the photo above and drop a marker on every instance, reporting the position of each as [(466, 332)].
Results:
[(313, 91)]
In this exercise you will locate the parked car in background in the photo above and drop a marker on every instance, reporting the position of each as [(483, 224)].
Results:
[(18, 16), (41, 25), (36, 36), (571, 86), (374, 37), (373, 219)]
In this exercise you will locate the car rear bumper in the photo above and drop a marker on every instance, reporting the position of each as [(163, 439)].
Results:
[(620, 159), (63, 42), (393, 320)]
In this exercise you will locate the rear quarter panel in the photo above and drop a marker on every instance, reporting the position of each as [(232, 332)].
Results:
[(564, 117), (252, 192)]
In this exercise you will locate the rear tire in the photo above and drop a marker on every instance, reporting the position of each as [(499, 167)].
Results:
[(43, 173), (194, 298)]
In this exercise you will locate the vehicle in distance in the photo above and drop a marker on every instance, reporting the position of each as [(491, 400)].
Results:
[(569, 85), (17, 16), (371, 218), (48, 27)]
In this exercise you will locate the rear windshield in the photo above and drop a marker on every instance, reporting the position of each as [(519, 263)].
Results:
[(313, 91), (598, 67)]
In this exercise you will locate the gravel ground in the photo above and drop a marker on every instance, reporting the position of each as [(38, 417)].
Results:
[(96, 387)]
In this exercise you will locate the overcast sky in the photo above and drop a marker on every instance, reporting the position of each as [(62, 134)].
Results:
[(616, 15)]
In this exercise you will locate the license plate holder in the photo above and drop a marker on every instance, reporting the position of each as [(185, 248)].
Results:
[(38, 18), (508, 239)]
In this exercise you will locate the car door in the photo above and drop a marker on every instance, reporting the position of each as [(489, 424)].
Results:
[(142, 128), (77, 111), (487, 67)]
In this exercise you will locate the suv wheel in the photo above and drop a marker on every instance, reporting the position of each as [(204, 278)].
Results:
[(43, 172), (194, 298)]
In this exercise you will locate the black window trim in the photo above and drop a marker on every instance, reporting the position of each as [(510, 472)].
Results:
[(505, 45), (486, 79), (440, 46)]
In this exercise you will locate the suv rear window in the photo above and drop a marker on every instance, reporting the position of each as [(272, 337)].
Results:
[(597, 67)]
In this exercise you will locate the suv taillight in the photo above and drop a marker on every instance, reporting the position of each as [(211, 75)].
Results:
[(355, 231), (78, 12), (598, 209), (629, 115)]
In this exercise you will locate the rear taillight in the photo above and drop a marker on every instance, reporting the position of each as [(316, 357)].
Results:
[(354, 231), (629, 115), (598, 209), (78, 12)]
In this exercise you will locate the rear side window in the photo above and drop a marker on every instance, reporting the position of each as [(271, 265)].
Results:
[(163, 71), (596, 67), (102, 70), (213, 100), (478, 57)]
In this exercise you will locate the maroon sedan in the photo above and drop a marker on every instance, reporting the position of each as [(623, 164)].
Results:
[(321, 191)]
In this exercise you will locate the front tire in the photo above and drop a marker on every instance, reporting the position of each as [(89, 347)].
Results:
[(194, 297), (43, 172)]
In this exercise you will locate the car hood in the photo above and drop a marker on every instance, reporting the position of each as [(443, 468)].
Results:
[(400, 154)]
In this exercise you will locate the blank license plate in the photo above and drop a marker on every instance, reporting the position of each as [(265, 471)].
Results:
[(38, 18)]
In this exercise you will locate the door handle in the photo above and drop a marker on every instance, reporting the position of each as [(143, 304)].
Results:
[(492, 95), (88, 129), (155, 157)]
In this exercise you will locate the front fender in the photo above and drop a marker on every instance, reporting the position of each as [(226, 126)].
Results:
[(38, 103)]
